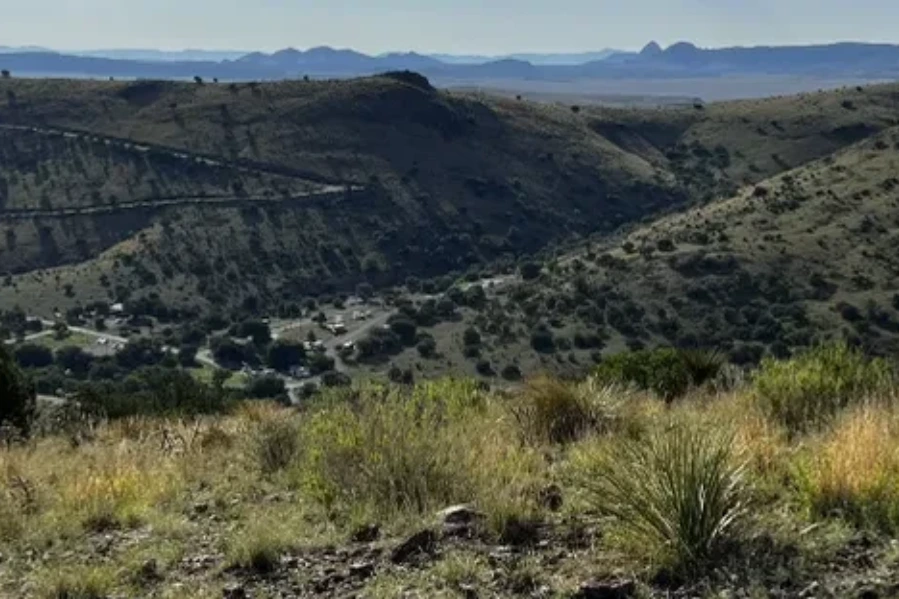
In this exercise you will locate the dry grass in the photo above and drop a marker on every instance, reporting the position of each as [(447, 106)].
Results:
[(276, 481), (852, 470)]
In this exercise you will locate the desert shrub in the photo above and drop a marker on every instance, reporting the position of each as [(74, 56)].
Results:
[(333, 378), (471, 336), (542, 340), (530, 271), (667, 372), (484, 368), (811, 388), (852, 471), (551, 411), (679, 491), (277, 445), (17, 397), (427, 347), (512, 373)]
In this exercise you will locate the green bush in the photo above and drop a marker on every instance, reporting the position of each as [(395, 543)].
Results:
[(680, 492), (809, 390), (668, 372)]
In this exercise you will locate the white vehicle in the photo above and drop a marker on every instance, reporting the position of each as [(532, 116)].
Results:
[(102, 341)]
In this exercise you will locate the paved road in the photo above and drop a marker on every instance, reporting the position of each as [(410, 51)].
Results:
[(325, 192), (321, 190), (180, 154)]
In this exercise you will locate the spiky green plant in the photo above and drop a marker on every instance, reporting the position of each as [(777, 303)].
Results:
[(681, 490)]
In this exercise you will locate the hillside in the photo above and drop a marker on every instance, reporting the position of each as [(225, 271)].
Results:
[(442, 181), (807, 254), (388, 182)]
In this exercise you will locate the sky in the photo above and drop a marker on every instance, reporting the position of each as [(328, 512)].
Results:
[(457, 26)]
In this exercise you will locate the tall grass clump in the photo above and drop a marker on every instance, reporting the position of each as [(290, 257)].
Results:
[(667, 372), (277, 445), (84, 582), (389, 451), (680, 491), (809, 390), (552, 411), (852, 471)]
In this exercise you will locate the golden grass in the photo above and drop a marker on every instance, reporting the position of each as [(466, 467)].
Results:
[(852, 470), (277, 480)]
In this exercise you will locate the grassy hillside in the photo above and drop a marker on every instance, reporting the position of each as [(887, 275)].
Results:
[(808, 253), (443, 181), (449, 181)]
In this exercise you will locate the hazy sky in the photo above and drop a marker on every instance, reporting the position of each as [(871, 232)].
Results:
[(461, 26)]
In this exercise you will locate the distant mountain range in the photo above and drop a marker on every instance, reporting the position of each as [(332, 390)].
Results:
[(681, 60)]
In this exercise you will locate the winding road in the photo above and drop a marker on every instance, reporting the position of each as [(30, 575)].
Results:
[(322, 191)]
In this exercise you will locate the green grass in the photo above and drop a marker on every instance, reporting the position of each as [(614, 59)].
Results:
[(205, 373), (811, 389), (72, 339)]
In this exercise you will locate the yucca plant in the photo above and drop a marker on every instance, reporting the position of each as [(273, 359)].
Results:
[(682, 490)]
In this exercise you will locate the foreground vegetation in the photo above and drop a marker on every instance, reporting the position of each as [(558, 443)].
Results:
[(563, 483)]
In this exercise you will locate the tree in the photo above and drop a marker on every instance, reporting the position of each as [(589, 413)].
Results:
[(30, 355), (283, 355), (198, 80), (471, 336), (319, 363), (258, 330), (75, 359), (5, 74), (266, 387), (17, 397), (529, 271), (187, 355), (427, 347), (404, 328)]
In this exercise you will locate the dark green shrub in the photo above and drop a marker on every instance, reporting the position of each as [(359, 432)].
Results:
[(529, 271), (512, 373), (471, 336), (427, 347), (283, 355), (266, 387), (29, 355), (543, 341), (17, 397), (667, 372)]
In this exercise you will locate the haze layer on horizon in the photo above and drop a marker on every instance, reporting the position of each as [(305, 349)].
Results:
[(450, 26)]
